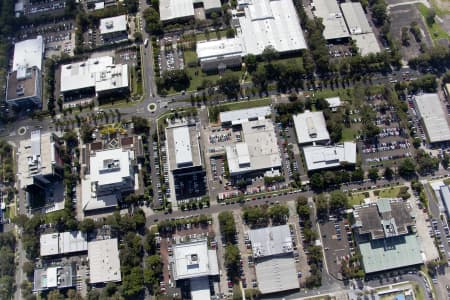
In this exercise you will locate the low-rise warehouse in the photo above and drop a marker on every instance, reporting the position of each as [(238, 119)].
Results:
[(384, 238), (60, 277), (104, 262), (429, 109), (311, 128), (257, 152), (63, 243), (332, 19), (180, 10), (237, 117), (324, 157)]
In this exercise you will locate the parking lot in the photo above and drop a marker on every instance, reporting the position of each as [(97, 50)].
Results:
[(392, 142), (40, 7), (126, 56), (337, 243), (170, 56)]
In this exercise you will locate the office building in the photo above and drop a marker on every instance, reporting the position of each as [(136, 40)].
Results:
[(104, 262), (311, 128), (324, 157)]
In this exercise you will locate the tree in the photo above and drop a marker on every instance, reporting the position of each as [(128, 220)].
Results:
[(227, 226), (133, 283), (388, 173), (28, 268), (86, 132), (279, 214), (229, 84), (426, 163), (373, 174), (230, 33), (87, 225), (71, 139), (407, 168), (321, 206), (269, 54), (250, 62), (137, 37), (140, 125), (317, 182), (338, 201), (232, 260)]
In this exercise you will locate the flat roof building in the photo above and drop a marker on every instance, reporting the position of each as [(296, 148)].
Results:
[(237, 117), (96, 75), (259, 24), (24, 82), (114, 28), (63, 243), (39, 160), (383, 235), (110, 174), (178, 10), (104, 262), (60, 277), (311, 128), (367, 43), (272, 248), (324, 157), (332, 19), (334, 102), (258, 152), (195, 262), (430, 110), (444, 192)]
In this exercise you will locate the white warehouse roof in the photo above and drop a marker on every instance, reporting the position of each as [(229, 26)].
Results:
[(335, 27), (62, 243), (110, 166), (259, 151), (429, 108), (174, 9), (28, 54), (270, 241), (193, 260), (311, 127), (99, 73), (183, 151), (334, 101), (104, 262), (113, 24), (243, 115), (276, 274), (219, 48), (322, 157), (367, 43), (271, 23), (355, 18)]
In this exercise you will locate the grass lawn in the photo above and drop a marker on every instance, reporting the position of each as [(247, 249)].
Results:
[(356, 199), (390, 192), (248, 104), (348, 134), (435, 30), (196, 74), (221, 34), (447, 181)]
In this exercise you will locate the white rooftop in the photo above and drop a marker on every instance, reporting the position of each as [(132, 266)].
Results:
[(104, 262), (367, 43), (99, 73), (110, 166), (28, 54), (322, 157), (270, 23), (183, 151), (311, 127), (259, 151), (276, 274), (334, 101), (200, 288), (174, 9), (62, 243), (335, 27), (243, 115), (92, 201), (193, 260), (113, 24), (434, 118), (355, 17), (225, 47), (270, 241)]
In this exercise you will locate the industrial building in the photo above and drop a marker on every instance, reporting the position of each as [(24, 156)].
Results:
[(272, 249), (431, 112), (311, 128), (359, 28), (259, 24), (193, 261), (383, 234), (104, 262), (114, 29), (59, 277), (220, 54), (444, 192), (39, 161), (332, 19), (258, 152), (325, 157), (108, 174), (186, 173), (59, 243), (237, 117), (24, 82), (97, 76), (182, 10)]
